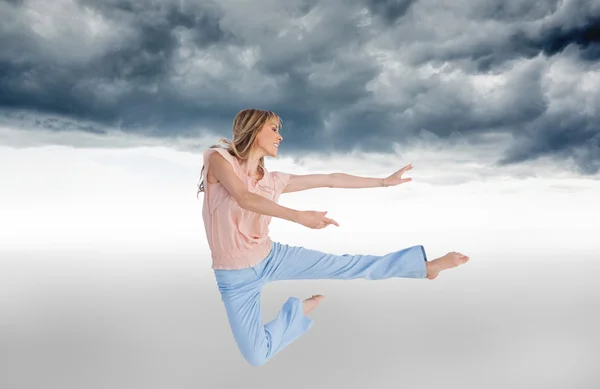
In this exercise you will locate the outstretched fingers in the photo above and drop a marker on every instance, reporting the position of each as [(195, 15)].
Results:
[(325, 221), (330, 221)]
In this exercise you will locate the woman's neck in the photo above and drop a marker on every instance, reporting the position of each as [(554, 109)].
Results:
[(250, 166)]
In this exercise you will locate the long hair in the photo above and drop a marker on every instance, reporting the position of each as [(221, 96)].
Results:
[(246, 125)]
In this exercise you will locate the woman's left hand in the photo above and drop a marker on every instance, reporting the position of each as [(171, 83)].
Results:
[(396, 178)]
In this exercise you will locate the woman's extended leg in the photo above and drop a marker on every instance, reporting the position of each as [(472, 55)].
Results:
[(294, 263)]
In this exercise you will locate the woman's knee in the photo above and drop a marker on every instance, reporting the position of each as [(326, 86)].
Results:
[(256, 357)]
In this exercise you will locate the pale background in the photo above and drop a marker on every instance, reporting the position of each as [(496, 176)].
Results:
[(106, 107)]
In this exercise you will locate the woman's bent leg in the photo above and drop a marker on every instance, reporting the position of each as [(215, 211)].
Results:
[(240, 291), (294, 263)]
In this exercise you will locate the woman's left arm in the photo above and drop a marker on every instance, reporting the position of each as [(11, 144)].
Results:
[(342, 180)]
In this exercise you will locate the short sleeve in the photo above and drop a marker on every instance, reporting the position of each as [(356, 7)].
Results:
[(281, 180)]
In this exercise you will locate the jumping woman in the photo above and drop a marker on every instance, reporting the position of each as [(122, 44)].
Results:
[(240, 199)]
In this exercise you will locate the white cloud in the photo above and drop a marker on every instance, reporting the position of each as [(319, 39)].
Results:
[(143, 198)]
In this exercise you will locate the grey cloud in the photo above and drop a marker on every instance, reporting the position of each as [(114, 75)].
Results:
[(447, 108), (173, 68), (567, 134), (389, 10), (555, 39), (492, 33), (137, 65), (512, 10)]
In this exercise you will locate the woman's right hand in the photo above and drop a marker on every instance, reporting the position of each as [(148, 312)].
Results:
[(315, 219)]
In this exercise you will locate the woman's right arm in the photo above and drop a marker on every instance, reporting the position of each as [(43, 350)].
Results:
[(224, 173)]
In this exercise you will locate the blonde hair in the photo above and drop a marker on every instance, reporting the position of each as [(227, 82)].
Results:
[(246, 125)]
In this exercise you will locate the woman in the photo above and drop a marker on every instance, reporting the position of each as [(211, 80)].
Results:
[(240, 199)]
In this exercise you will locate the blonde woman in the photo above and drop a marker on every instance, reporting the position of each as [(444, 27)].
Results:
[(240, 199)]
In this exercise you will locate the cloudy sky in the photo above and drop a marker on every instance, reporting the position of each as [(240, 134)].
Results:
[(106, 107), (343, 75)]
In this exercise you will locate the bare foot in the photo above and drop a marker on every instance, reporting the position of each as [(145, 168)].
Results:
[(448, 261), (312, 302)]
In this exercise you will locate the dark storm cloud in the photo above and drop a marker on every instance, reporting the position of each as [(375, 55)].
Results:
[(521, 43), (341, 74), (139, 64), (549, 135), (553, 40), (494, 32), (389, 10)]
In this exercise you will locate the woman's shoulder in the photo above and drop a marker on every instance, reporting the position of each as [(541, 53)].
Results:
[(210, 152)]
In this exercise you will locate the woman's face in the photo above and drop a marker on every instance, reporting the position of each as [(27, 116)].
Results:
[(268, 138)]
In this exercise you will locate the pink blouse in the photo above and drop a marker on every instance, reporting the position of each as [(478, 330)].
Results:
[(237, 238)]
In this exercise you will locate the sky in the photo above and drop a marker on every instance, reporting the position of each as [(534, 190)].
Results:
[(107, 106)]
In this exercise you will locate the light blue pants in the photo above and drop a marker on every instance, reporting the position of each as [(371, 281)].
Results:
[(241, 289)]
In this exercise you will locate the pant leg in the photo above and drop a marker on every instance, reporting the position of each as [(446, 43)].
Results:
[(295, 263), (240, 291)]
